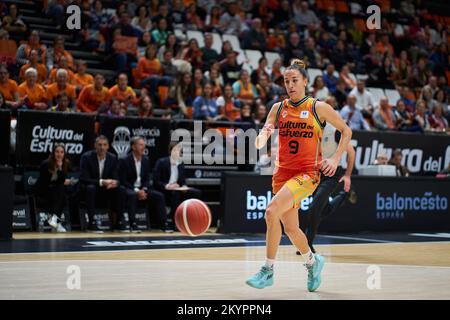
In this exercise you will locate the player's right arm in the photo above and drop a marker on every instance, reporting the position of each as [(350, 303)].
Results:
[(269, 127)]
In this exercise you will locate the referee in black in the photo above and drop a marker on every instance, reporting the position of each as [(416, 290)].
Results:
[(321, 207)]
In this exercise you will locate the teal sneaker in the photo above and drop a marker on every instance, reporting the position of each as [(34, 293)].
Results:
[(264, 278), (314, 277)]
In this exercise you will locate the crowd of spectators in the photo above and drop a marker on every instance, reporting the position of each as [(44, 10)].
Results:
[(166, 75)]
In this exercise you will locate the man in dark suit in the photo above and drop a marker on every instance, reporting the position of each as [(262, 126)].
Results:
[(169, 178), (99, 180), (134, 175)]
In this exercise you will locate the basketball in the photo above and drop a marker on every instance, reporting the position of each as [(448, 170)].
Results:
[(193, 217)]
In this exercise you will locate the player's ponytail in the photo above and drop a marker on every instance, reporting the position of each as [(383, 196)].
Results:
[(299, 65)]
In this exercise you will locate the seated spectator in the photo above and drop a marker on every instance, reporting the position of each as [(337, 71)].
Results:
[(329, 78), (50, 186), (226, 47), (183, 95), (99, 181), (364, 99), (62, 103), (62, 64), (116, 109), (230, 68), (178, 14), (229, 106), (421, 117), (56, 11), (293, 48), (340, 94), (171, 44), (142, 21), (134, 177), (57, 52), (145, 109), (405, 119), (383, 46), (261, 112), (246, 116), (160, 34), (125, 38), (33, 63), (312, 55), (214, 77), (94, 98), (169, 70), (385, 74), (193, 54), (304, 17), (276, 72), (13, 23), (123, 92), (193, 20), (419, 76), (61, 85), (244, 90), (9, 89), (345, 76), (149, 71), (408, 98), (427, 96), (82, 78), (353, 116), (32, 93), (204, 106), (383, 117), (209, 55), (168, 176), (255, 38), (261, 70), (396, 160), (230, 21), (199, 81), (144, 41), (212, 22), (437, 120), (268, 92), (339, 55), (24, 50), (403, 73), (320, 91)]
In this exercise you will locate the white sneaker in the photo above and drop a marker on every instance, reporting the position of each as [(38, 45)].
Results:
[(60, 228), (53, 221)]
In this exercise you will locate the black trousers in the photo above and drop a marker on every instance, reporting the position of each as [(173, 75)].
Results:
[(96, 196), (174, 198), (155, 201), (53, 199), (321, 207)]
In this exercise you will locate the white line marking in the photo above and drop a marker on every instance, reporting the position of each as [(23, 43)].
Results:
[(356, 238)]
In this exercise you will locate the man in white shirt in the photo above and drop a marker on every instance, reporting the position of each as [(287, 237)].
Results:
[(134, 176), (99, 180), (364, 99)]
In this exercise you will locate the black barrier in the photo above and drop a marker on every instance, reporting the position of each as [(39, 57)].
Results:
[(37, 131), (5, 132), (6, 202), (120, 130), (383, 204), (422, 154)]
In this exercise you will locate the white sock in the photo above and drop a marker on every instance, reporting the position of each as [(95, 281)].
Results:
[(270, 262), (308, 257)]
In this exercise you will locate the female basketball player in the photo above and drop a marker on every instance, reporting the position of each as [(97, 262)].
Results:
[(300, 120)]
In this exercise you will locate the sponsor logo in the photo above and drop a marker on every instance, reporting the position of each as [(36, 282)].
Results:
[(395, 206), (304, 114), (121, 141), (256, 205), (44, 138), (181, 242)]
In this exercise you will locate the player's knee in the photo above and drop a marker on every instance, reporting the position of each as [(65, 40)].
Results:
[(271, 214), (290, 229)]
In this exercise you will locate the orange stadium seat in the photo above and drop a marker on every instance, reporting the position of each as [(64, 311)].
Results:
[(341, 7)]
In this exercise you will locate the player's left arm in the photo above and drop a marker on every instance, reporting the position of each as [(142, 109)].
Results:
[(346, 178), (328, 114)]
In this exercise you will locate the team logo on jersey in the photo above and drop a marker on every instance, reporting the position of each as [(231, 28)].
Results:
[(304, 114), (284, 114)]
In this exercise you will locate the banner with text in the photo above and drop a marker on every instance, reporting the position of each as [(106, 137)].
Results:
[(120, 130), (383, 204), (37, 131)]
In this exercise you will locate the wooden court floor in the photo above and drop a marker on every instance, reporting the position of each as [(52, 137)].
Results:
[(413, 270)]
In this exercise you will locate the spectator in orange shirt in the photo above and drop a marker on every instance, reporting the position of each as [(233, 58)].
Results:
[(123, 92), (57, 52), (62, 64), (383, 45), (34, 63), (23, 52), (8, 88), (149, 71), (94, 98), (33, 93), (82, 78), (61, 85)]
